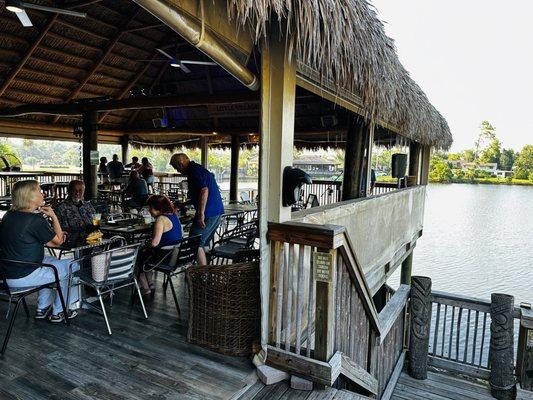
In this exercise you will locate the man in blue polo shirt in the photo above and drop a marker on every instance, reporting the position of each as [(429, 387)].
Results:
[(205, 197)]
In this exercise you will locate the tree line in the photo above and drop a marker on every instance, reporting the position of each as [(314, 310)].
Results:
[(487, 149)]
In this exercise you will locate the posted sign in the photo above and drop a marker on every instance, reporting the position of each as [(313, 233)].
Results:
[(322, 263), (95, 157)]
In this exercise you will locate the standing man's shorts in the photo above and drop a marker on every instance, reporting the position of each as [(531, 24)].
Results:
[(211, 225)]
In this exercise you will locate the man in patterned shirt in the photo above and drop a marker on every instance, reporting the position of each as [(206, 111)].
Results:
[(74, 213)]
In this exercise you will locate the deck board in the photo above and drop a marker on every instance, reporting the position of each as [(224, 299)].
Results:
[(440, 386), (143, 359)]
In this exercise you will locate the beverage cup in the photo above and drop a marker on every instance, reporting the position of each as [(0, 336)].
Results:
[(96, 219)]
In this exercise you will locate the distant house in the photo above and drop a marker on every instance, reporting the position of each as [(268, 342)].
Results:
[(504, 174), (317, 166), (491, 168)]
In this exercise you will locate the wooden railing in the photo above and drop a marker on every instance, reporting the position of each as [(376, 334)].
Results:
[(460, 334), (8, 179), (323, 324)]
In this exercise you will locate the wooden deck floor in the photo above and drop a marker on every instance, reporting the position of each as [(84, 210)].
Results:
[(441, 386), (143, 359), (438, 386), (283, 391)]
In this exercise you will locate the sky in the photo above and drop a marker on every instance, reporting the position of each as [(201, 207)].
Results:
[(472, 58)]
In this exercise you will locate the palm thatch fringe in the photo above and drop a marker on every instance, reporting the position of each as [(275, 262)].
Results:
[(346, 43)]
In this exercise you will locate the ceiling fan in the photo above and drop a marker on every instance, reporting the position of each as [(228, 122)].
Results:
[(19, 8), (178, 63)]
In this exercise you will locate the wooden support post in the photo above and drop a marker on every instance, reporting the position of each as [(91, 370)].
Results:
[(278, 100), (420, 324), (204, 148), (356, 139), (124, 144), (425, 154), (501, 355), (414, 160), (407, 268), (325, 312), (90, 143), (234, 174)]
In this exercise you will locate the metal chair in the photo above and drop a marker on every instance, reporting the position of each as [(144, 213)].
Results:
[(118, 271), (242, 237), (19, 294), (175, 260)]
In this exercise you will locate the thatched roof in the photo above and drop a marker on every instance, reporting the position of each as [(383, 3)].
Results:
[(346, 42), (67, 59)]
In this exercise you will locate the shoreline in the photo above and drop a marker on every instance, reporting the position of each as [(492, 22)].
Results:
[(488, 181)]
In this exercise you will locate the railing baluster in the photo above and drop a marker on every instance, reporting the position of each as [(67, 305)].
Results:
[(279, 305), (475, 339), (467, 335), (311, 304), (288, 316), (299, 297), (459, 315), (444, 329), (483, 339), (436, 334), (451, 334)]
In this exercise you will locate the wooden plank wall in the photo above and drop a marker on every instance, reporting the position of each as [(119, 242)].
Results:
[(352, 333), (389, 352)]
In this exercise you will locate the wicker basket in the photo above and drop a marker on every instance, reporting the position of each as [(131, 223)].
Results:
[(224, 307)]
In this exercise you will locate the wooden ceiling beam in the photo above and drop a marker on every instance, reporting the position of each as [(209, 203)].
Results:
[(131, 103), (9, 79), (100, 61)]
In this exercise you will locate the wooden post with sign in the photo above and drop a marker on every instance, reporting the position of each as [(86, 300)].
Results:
[(324, 263)]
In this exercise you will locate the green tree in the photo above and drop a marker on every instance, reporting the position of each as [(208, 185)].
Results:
[(507, 159), (469, 155), (524, 163), (492, 153), (455, 156), (487, 133), (440, 171)]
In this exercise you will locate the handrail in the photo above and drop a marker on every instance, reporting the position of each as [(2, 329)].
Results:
[(321, 310), (389, 315)]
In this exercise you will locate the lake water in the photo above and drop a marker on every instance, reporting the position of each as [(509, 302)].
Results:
[(477, 240)]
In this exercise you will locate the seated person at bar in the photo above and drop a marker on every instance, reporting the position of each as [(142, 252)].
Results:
[(74, 213), (134, 164), (205, 196), (167, 231), (24, 231), (138, 190), (115, 169)]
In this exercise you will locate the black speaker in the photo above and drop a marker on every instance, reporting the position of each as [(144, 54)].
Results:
[(399, 165)]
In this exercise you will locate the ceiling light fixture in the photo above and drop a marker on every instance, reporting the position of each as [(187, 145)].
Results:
[(14, 6)]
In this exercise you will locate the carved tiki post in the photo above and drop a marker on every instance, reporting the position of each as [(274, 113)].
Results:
[(501, 356), (419, 329)]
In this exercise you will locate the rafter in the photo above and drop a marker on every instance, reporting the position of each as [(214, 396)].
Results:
[(142, 102), (100, 61)]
